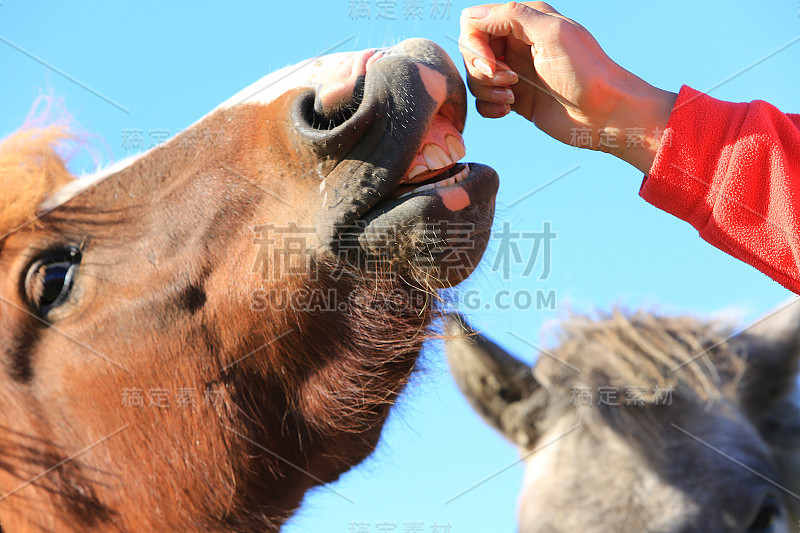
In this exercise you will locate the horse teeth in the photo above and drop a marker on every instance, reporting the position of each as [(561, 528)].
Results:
[(435, 157), (456, 146), (418, 189), (424, 187), (416, 171), (444, 183), (461, 175), (452, 180)]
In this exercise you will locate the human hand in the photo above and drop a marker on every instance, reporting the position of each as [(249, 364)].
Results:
[(567, 84)]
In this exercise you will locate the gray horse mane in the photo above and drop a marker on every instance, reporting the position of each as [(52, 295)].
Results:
[(697, 360)]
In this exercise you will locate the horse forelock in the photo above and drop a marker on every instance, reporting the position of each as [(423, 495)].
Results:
[(648, 355), (30, 170)]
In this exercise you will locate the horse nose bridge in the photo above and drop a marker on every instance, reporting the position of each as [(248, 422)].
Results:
[(428, 53)]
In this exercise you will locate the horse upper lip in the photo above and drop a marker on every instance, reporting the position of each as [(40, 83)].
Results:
[(440, 148)]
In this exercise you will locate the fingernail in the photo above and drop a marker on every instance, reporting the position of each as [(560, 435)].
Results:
[(476, 12), (506, 109), (483, 66), (502, 96), (507, 77)]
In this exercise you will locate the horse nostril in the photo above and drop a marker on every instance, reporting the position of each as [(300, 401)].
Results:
[(326, 117), (329, 114), (334, 131)]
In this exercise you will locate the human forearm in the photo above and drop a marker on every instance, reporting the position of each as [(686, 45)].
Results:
[(635, 127), (567, 85)]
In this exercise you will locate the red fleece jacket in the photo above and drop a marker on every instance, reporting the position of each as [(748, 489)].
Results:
[(732, 170)]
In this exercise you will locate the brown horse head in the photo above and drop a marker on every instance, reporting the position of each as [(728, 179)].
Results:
[(193, 338), (647, 423)]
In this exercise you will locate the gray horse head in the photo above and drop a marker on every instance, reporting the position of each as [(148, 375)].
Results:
[(646, 423)]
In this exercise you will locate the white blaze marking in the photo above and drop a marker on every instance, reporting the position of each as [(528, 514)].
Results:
[(435, 83), (304, 74), (84, 183)]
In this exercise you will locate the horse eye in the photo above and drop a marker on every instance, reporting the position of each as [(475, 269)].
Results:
[(767, 517), (50, 280)]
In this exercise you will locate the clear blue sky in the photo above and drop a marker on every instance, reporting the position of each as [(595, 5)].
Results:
[(167, 64)]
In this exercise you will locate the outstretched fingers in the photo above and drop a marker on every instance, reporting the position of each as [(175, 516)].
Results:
[(487, 31)]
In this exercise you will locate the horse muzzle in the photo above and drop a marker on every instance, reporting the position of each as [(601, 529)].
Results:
[(392, 121)]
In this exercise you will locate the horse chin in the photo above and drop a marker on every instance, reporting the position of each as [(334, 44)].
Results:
[(438, 234)]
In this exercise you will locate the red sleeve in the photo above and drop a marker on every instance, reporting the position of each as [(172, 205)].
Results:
[(732, 170)]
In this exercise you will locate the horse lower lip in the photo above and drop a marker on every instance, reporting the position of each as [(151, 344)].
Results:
[(458, 217)]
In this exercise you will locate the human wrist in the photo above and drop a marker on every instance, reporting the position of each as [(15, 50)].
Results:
[(638, 123)]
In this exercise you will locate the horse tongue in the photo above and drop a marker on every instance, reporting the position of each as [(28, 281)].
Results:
[(442, 147)]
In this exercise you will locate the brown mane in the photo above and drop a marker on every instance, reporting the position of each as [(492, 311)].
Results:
[(30, 169)]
